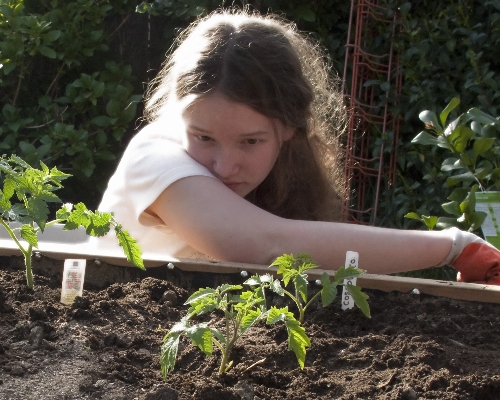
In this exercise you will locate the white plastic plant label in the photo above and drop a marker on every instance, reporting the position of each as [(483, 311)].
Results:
[(73, 278), (351, 260)]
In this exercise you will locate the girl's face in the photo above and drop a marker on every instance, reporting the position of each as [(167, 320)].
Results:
[(236, 143)]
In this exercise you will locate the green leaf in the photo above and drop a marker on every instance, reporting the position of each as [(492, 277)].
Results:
[(143, 8), (38, 210), (489, 131), (476, 127), (430, 120), (95, 35), (78, 217), (305, 263), (451, 164), (200, 294), (286, 261), (103, 121), (64, 212), (360, 299), (47, 52), (430, 221), (277, 288), (476, 219), (451, 106), (206, 306), (300, 282), (5, 205), (9, 187), (113, 108), (275, 315), (460, 137), (347, 273), (128, 113), (287, 274), (100, 224), (466, 177), (130, 247), (297, 339), (482, 117), (51, 36), (481, 146), (328, 290), (452, 208), (201, 336), (218, 334), (250, 319), (168, 353), (28, 233), (224, 288), (459, 194), (447, 222), (425, 139), (413, 215), (8, 67)]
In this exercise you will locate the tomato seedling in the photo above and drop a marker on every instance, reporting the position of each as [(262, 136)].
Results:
[(242, 309), (293, 269), (24, 198)]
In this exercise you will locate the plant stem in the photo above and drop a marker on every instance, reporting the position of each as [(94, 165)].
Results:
[(296, 300), (311, 301), (26, 253), (18, 88), (13, 236), (222, 368), (29, 272), (224, 356)]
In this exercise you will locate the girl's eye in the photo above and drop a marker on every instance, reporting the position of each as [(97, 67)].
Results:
[(252, 141), (204, 138)]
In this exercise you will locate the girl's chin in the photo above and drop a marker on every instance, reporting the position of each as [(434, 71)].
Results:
[(239, 188)]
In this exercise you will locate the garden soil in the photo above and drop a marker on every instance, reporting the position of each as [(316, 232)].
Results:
[(107, 344)]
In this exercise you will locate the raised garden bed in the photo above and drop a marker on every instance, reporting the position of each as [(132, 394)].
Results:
[(107, 345)]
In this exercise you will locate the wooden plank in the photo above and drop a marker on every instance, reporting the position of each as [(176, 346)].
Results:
[(387, 283)]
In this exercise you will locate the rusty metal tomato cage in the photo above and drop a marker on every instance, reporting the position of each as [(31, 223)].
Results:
[(371, 64)]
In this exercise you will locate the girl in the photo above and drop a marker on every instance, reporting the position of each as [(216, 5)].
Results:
[(240, 160)]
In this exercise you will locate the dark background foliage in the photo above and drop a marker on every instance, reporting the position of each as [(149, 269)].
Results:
[(73, 73)]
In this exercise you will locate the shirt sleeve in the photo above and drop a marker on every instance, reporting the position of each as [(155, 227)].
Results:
[(150, 164)]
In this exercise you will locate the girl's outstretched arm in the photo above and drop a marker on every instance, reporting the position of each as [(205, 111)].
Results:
[(216, 221)]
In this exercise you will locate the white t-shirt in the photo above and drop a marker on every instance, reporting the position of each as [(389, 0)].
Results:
[(151, 162)]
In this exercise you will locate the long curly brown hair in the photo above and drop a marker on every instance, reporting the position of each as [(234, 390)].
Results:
[(267, 64)]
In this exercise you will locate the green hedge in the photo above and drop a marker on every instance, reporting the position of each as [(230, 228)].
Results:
[(65, 97), (447, 49), (72, 75)]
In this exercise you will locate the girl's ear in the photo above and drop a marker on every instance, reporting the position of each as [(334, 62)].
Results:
[(287, 133)]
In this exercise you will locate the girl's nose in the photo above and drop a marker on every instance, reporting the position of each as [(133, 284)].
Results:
[(225, 164)]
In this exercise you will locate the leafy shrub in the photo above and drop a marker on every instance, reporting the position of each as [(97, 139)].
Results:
[(444, 51), (61, 100), (474, 163)]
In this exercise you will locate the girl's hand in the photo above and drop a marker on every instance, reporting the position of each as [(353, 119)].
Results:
[(475, 259)]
